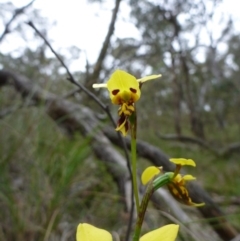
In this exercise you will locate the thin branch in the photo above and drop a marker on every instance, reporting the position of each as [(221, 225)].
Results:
[(225, 151), (104, 107), (98, 66), (231, 148), (71, 78), (189, 139), (236, 238), (16, 13)]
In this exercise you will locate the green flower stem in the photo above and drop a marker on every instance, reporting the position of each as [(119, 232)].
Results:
[(133, 127), (143, 208), (178, 167), (153, 185), (134, 165)]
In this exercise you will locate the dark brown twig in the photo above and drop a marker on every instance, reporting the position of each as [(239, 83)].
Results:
[(229, 149), (16, 13), (98, 66), (104, 107), (71, 78)]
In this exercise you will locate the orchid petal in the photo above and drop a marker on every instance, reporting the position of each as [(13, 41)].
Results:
[(166, 233), (183, 161), (149, 173), (95, 86), (87, 232), (123, 88), (188, 177), (150, 77)]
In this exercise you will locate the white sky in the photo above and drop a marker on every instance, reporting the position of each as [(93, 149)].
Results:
[(78, 23), (85, 25)]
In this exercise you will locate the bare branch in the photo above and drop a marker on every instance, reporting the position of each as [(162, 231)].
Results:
[(236, 238), (189, 139), (226, 151), (16, 13), (71, 78), (97, 100), (231, 148), (98, 66)]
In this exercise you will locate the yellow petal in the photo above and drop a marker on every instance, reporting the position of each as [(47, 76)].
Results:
[(183, 161), (123, 126), (165, 233), (149, 173), (126, 110), (197, 204), (87, 232), (178, 178), (123, 88), (150, 77), (188, 177), (99, 85)]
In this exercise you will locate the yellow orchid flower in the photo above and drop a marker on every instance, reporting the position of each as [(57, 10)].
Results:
[(124, 90), (124, 87), (177, 184), (87, 232)]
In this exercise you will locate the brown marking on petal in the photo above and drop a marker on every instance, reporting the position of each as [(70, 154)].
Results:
[(133, 90), (114, 92), (180, 193), (126, 126), (121, 119)]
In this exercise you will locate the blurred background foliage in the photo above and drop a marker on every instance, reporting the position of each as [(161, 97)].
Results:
[(49, 183)]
